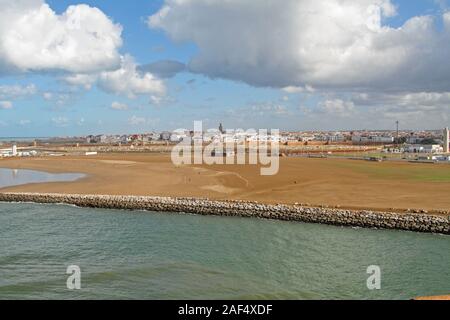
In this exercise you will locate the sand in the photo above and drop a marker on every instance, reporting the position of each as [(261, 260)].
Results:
[(333, 182), (441, 298)]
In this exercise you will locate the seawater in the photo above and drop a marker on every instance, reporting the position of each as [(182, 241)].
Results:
[(14, 177), (21, 139), (147, 255)]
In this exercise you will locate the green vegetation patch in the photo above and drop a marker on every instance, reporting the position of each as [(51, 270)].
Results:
[(405, 171)]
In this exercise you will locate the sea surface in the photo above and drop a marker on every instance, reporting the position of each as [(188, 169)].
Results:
[(15, 177), (146, 255), (21, 139)]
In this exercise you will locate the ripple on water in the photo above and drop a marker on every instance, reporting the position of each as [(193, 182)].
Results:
[(144, 255)]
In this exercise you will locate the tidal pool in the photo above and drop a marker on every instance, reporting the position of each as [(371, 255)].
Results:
[(15, 177)]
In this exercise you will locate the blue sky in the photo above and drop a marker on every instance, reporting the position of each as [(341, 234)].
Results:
[(59, 108)]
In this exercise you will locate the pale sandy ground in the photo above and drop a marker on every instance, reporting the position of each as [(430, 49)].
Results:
[(347, 183), (446, 298)]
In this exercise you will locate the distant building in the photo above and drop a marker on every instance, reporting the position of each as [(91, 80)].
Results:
[(124, 139), (178, 137), (334, 138), (446, 141), (440, 158), (413, 140), (306, 138), (93, 139), (13, 152), (90, 139), (165, 136), (424, 148), (372, 139)]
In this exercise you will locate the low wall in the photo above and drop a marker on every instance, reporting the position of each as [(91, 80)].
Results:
[(341, 217)]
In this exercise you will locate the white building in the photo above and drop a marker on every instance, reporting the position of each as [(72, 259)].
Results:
[(372, 139), (446, 141), (307, 138), (441, 158), (413, 140), (424, 148), (178, 137), (165, 136), (14, 152), (335, 138)]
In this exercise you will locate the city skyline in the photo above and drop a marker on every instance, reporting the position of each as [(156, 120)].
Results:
[(90, 67)]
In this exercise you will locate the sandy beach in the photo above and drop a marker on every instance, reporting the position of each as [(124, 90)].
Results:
[(315, 182)]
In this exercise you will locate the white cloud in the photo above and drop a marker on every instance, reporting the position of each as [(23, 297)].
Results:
[(337, 107), (425, 110), (129, 82), (135, 121), (142, 121), (119, 106), (162, 100), (257, 111), (59, 98), (333, 44), (84, 80), (294, 89), (17, 91), (432, 108), (156, 100), (47, 96), (267, 109), (6, 105), (60, 121), (82, 43), (34, 38), (24, 122)]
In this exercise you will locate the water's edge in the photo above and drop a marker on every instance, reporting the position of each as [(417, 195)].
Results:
[(20, 177), (331, 216)]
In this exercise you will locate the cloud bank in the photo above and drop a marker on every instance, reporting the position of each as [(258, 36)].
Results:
[(333, 44), (82, 44), (163, 68), (34, 38), (126, 80)]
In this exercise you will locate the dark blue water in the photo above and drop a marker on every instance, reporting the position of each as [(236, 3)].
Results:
[(143, 255)]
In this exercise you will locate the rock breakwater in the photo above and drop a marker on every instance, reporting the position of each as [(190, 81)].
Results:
[(331, 216)]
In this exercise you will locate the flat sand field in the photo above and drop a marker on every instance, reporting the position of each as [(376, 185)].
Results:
[(333, 182)]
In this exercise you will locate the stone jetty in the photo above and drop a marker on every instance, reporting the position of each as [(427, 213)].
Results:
[(419, 222)]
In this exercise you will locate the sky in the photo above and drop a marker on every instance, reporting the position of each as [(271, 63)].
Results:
[(70, 68)]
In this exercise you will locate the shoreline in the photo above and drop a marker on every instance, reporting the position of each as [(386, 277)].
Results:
[(234, 208), (332, 183)]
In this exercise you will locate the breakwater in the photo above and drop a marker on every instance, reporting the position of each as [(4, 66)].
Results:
[(332, 216)]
